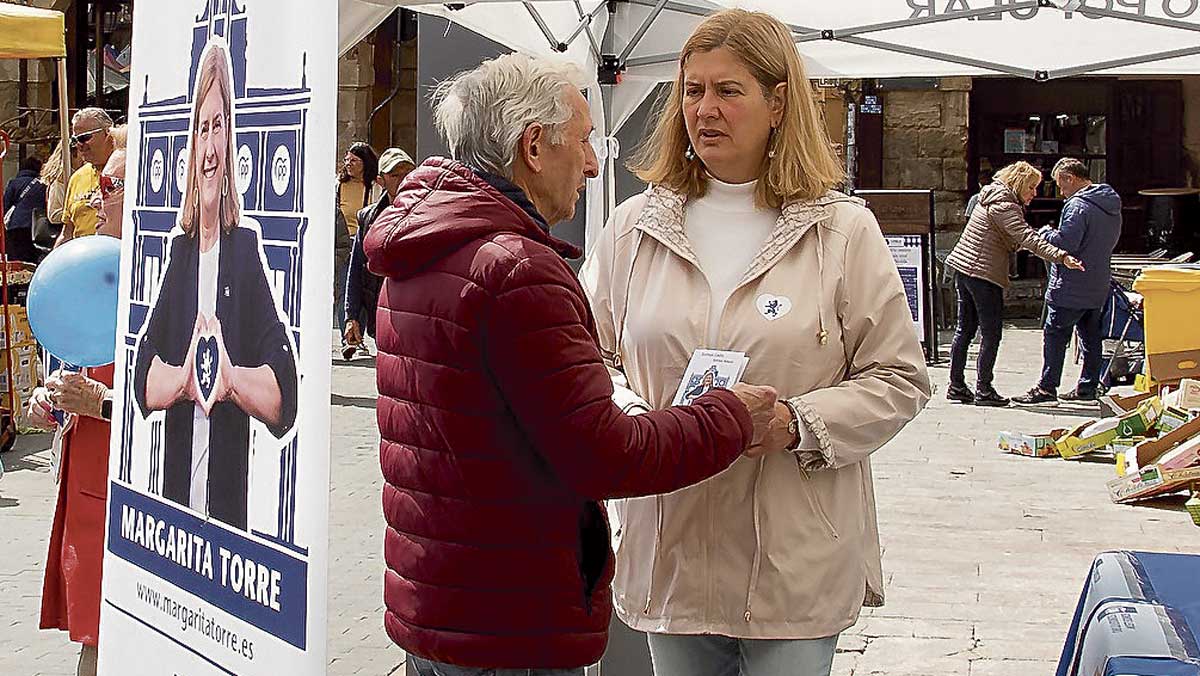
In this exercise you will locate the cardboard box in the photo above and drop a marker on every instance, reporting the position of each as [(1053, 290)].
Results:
[(1123, 450), (1097, 434), (1116, 404), (1188, 394), (1032, 445), (1165, 465), (1151, 482), (1171, 419), (18, 327)]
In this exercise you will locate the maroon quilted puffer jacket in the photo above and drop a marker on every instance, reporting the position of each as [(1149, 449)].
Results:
[(498, 433)]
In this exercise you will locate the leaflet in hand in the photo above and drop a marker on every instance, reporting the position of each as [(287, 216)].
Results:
[(709, 369)]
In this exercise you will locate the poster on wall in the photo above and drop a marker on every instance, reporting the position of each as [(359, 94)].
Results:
[(216, 546), (908, 253)]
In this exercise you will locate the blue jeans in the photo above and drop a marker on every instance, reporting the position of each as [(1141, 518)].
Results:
[(980, 308), (430, 668), (1060, 323), (709, 655)]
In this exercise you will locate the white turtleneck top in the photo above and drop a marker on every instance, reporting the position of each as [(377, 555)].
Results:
[(726, 230)]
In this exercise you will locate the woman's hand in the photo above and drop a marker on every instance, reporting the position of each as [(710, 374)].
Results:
[(777, 437), (1072, 262), (76, 393), (40, 411), (189, 388), (223, 389)]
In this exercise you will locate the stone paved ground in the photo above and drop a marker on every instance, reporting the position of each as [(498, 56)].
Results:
[(984, 552)]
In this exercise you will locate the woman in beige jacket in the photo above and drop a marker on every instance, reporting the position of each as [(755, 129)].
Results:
[(995, 231), (739, 244)]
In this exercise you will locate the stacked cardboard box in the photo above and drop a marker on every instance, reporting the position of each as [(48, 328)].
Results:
[(25, 371)]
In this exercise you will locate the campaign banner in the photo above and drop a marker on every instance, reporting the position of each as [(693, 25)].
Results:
[(908, 252), (217, 530)]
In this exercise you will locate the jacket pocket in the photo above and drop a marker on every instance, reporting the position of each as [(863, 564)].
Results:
[(814, 502)]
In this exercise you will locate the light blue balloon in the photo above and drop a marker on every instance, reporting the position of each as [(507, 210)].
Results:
[(73, 300)]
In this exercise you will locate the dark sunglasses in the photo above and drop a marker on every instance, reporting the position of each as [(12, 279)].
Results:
[(79, 139), (110, 185)]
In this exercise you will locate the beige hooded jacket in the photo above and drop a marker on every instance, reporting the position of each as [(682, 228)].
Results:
[(785, 546)]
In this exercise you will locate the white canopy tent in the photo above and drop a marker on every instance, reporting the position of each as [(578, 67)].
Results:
[(632, 45)]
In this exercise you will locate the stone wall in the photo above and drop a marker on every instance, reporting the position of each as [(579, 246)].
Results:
[(925, 145), (356, 77)]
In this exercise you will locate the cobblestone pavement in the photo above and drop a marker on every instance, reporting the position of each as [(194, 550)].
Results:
[(985, 553)]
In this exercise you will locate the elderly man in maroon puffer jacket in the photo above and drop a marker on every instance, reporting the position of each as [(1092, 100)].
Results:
[(499, 435)]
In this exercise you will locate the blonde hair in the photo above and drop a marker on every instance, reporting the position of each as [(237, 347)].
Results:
[(805, 165), (1019, 176), (213, 77), (52, 170), (119, 135)]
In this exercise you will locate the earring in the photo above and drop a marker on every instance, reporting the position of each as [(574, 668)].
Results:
[(771, 142), (225, 189), (690, 153)]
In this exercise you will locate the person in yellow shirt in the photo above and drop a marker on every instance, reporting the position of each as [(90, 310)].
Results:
[(91, 139)]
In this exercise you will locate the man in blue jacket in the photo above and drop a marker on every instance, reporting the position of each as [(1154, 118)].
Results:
[(1088, 229)]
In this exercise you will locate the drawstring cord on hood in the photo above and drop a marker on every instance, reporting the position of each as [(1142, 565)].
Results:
[(754, 568), (822, 334)]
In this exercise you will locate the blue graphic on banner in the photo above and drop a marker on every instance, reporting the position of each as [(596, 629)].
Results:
[(253, 582), (270, 124)]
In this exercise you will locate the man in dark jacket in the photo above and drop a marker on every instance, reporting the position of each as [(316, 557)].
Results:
[(499, 435), (23, 195), (362, 287), (1088, 229)]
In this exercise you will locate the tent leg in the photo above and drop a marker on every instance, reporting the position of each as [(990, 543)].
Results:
[(64, 116)]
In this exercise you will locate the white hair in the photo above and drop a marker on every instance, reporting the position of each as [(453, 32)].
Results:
[(482, 113), (96, 114)]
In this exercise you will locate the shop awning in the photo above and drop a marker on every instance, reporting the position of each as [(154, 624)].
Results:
[(31, 33)]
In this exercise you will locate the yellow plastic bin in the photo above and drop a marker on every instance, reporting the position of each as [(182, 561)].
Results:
[(1172, 303)]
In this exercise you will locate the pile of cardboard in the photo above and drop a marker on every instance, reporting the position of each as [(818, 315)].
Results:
[(1154, 437)]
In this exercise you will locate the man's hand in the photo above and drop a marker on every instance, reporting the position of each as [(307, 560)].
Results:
[(778, 438), (1073, 263), (760, 400)]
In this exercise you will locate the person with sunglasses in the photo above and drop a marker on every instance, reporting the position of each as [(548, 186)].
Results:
[(91, 139)]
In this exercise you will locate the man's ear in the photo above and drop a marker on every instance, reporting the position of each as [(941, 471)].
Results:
[(533, 141)]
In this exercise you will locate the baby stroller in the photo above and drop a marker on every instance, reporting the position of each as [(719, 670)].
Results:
[(1124, 337)]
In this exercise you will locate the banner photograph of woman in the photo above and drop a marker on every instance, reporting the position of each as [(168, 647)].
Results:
[(216, 351)]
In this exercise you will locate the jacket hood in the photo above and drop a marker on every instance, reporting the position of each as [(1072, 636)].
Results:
[(998, 193), (442, 206), (1102, 196)]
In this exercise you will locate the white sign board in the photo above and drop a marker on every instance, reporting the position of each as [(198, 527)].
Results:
[(217, 543), (908, 252)]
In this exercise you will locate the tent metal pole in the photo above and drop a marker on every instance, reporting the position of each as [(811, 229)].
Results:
[(541, 24), (949, 58), (652, 60), (1117, 63), (64, 117), (585, 26), (608, 46), (641, 31)]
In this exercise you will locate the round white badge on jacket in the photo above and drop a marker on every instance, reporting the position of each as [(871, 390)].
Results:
[(773, 307)]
